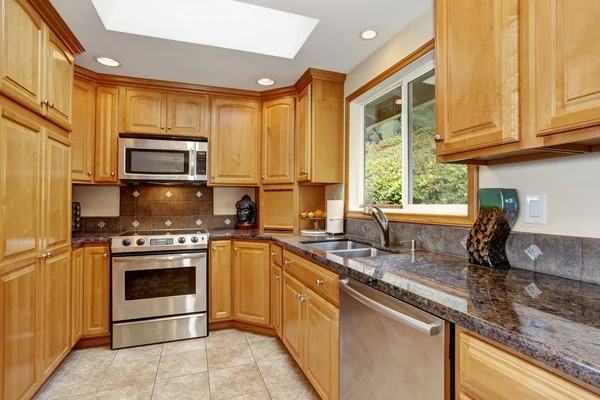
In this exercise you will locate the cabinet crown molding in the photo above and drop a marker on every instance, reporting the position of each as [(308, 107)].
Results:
[(58, 25), (313, 73)]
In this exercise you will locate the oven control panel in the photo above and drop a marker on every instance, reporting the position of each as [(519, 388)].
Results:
[(170, 241), (160, 242)]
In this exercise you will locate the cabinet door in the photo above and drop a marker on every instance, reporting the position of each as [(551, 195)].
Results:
[(56, 309), (82, 137), (76, 298), (235, 149), (22, 41), (477, 74), (60, 66), (18, 333), (278, 207), (20, 189), (294, 317), (303, 135), (107, 134), (567, 70), (322, 356), (145, 111), (220, 281), (278, 141), (96, 291), (276, 297), (56, 192), (251, 282), (187, 115)]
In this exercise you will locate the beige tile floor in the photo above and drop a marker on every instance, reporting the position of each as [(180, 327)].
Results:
[(229, 364)]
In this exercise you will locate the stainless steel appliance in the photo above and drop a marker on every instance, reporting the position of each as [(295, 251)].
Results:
[(389, 349), (159, 286), (167, 159)]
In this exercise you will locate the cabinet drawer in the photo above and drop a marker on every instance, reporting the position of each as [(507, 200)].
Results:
[(313, 276), (276, 254), (488, 372)]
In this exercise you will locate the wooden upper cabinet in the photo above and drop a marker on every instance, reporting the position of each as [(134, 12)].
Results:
[(20, 189), (145, 111), (22, 41), (96, 291), (220, 281), (567, 69), (278, 141), (106, 135), (251, 272), (477, 74), (76, 295), (82, 137), (234, 142), (56, 193), (60, 66), (303, 135), (187, 115)]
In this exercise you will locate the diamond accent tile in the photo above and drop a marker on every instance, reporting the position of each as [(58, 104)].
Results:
[(533, 291), (533, 252), (464, 242), (199, 194), (198, 222), (168, 222), (365, 228), (168, 194), (227, 221), (136, 194), (101, 224), (135, 224), (422, 236)]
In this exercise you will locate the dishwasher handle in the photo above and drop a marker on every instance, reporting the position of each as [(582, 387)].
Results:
[(430, 329)]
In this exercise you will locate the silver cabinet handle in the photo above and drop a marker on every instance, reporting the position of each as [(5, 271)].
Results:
[(303, 299), (438, 138), (235, 249), (105, 255), (168, 126), (51, 105), (49, 254), (89, 173), (214, 249), (162, 127), (44, 102), (213, 176), (263, 177), (305, 173), (431, 329), (274, 253), (112, 174), (277, 277), (319, 282), (43, 256), (287, 262)]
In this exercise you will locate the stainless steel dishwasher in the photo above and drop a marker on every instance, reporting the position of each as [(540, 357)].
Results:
[(388, 348)]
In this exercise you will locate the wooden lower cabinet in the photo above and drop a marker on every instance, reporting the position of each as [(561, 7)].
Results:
[(251, 272), (96, 291), (294, 316), (77, 268), (276, 297), (220, 281)]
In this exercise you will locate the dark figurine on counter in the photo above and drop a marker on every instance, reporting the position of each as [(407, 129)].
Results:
[(246, 213)]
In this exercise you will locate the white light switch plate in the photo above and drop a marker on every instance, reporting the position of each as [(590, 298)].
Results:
[(535, 208)]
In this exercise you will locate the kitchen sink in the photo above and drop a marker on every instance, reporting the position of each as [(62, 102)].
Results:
[(338, 245), (360, 253)]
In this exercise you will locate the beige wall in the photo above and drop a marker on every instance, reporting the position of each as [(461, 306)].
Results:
[(97, 201), (224, 199)]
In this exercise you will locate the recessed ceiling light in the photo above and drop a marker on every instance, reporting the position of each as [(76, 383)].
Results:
[(109, 62), (368, 34), (265, 82), (398, 101)]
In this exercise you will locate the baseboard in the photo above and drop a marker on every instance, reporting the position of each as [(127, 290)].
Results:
[(215, 326), (93, 341)]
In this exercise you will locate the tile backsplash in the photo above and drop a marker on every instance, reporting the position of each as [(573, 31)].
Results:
[(146, 207), (570, 257)]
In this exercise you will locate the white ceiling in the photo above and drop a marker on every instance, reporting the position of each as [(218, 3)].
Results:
[(334, 44)]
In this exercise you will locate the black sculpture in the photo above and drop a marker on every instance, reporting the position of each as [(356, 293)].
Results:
[(246, 213)]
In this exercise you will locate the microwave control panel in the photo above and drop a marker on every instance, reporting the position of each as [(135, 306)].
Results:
[(201, 163)]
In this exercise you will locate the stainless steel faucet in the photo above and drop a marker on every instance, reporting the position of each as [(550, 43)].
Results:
[(382, 223)]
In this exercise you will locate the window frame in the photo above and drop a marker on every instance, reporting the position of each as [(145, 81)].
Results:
[(355, 168)]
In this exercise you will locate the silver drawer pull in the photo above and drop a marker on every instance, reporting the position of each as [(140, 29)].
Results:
[(277, 277), (105, 255), (287, 262), (274, 253), (319, 282)]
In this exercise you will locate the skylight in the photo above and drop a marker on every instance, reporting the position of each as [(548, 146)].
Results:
[(221, 23)]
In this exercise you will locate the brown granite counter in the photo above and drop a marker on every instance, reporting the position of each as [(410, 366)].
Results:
[(80, 239), (550, 319)]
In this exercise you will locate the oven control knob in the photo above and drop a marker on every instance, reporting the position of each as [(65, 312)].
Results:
[(194, 239), (140, 241), (181, 240), (126, 242)]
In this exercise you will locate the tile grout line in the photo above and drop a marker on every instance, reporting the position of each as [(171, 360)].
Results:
[(262, 378), (106, 373), (162, 346)]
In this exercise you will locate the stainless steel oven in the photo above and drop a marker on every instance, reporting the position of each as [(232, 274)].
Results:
[(168, 159)]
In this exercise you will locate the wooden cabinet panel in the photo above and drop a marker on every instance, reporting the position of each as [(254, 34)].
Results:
[(18, 333), (96, 291), (322, 356), (276, 254), (251, 278), (187, 115), (303, 134), (235, 142), (55, 309), (20, 158), (60, 67), (76, 298), (82, 137), (317, 278), (278, 207), (294, 318), (477, 74), (107, 134), (276, 297), (278, 141), (145, 111), (567, 70), (56, 192), (488, 372), (220, 281), (22, 41)]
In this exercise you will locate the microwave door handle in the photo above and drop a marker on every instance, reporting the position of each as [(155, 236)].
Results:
[(192, 156)]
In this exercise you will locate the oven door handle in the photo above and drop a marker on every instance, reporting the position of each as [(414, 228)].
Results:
[(169, 257)]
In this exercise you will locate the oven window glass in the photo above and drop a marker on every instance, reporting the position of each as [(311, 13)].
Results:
[(157, 162), (149, 284)]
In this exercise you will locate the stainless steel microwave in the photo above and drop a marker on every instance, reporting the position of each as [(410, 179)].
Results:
[(163, 159)]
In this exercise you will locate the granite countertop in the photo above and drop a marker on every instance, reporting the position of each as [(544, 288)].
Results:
[(553, 320), (79, 239)]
